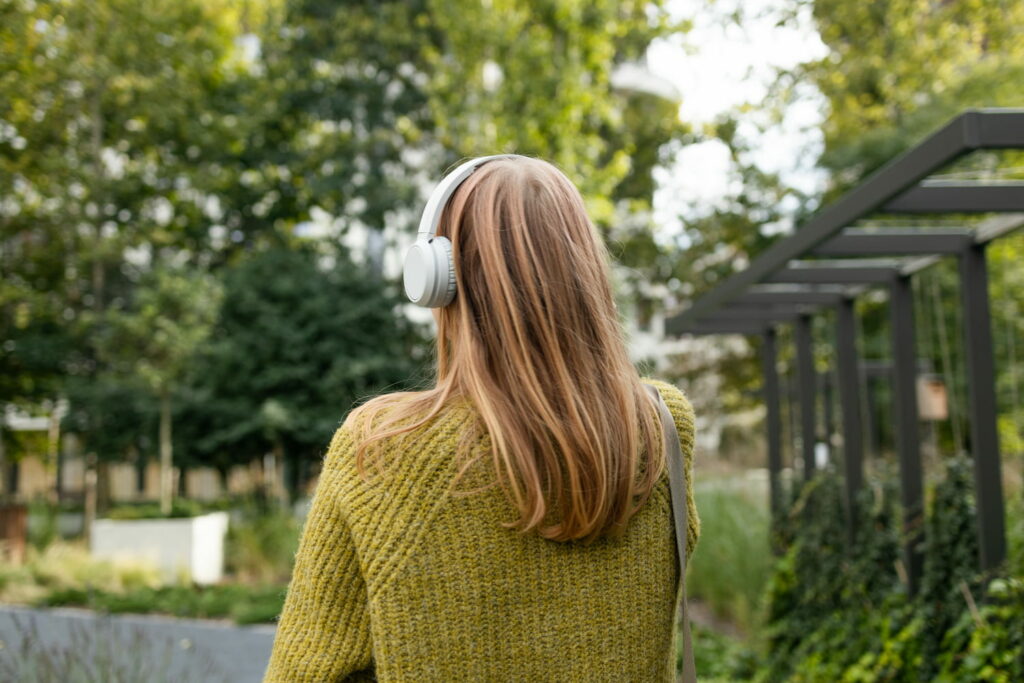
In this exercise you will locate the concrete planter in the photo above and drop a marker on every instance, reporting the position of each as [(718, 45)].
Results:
[(194, 545)]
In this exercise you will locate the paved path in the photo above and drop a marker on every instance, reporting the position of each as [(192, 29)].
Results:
[(151, 647)]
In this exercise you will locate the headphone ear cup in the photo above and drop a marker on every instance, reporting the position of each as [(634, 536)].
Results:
[(446, 269), (429, 272)]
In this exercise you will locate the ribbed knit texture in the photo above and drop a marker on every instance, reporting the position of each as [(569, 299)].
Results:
[(399, 579)]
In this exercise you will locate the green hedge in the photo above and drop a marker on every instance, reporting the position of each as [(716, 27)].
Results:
[(837, 611), (242, 604)]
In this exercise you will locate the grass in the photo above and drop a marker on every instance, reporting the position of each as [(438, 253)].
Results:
[(732, 561), (718, 657), (1015, 533)]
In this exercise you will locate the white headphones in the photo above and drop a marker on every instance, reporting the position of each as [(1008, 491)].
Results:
[(429, 273)]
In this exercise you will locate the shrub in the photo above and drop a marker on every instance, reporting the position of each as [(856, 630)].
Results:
[(180, 507), (840, 614), (243, 604), (261, 543)]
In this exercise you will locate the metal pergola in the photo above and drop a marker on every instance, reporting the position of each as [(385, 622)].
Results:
[(830, 260)]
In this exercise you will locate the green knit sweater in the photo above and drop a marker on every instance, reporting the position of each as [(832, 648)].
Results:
[(401, 580)]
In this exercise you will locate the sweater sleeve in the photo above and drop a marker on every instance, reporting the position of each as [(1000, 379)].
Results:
[(682, 411), (323, 633)]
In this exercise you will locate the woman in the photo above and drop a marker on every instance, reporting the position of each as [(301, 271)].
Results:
[(514, 521)]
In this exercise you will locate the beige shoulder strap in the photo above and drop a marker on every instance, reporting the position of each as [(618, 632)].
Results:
[(677, 484)]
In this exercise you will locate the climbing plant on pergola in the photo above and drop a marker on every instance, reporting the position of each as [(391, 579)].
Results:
[(832, 259)]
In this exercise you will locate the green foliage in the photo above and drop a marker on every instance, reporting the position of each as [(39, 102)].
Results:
[(989, 645), (842, 615), (148, 153), (341, 103), (156, 336), (803, 591), (897, 69), (1015, 535), (730, 571), (45, 529), (951, 560), (114, 416), (295, 346), (242, 603), (535, 77), (717, 657), (261, 544), (180, 507)]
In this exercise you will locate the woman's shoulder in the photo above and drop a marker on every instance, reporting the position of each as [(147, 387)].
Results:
[(407, 412), (670, 392), (677, 402)]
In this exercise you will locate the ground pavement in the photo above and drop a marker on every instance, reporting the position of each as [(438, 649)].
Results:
[(139, 647)]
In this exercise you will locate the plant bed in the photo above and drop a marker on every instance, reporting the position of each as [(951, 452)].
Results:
[(240, 603), (193, 546)]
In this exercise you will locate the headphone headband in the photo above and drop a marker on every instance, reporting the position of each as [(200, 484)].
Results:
[(446, 188), (429, 272)]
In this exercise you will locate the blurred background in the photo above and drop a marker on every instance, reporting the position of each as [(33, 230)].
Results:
[(204, 208)]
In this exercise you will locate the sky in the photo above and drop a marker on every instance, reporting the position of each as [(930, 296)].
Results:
[(718, 66)]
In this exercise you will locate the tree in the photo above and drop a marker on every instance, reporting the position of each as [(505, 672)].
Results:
[(105, 126), (897, 69), (297, 343), (155, 339), (536, 78)]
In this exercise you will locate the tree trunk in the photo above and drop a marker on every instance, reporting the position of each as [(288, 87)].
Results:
[(3, 460), (53, 452), (89, 511), (279, 487), (225, 478), (135, 456), (165, 451), (182, 482), (102, 487)]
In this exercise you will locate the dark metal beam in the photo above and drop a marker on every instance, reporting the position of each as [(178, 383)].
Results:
[(866, 242), (961, 197), (982, 410), (996, 128), (905, 419), (774, 295), (837, 272), (998, 226), (805, 378), (721, 327), (971, 130), (752, 313), (848, 370), (773, 420)]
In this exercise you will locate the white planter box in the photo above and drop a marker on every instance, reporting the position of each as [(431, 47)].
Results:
[(190, 544)]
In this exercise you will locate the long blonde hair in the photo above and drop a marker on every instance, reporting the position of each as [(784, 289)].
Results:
[(532, 340)]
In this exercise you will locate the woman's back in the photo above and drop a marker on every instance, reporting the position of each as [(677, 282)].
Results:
[(399, 575), (560, 564)]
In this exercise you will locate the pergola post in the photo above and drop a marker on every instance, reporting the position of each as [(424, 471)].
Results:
[(905, 414), (806, 380), (848, 370), (773, 420), (988, 485), (828, 408)]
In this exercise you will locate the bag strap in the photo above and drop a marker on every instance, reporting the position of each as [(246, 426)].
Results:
[(677, 485)]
